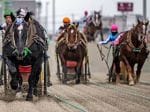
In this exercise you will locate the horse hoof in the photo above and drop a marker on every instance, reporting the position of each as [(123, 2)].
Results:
[(18, 89), (77, 81), (114, 80), (35, 92), (116, 83), (108, 74), (49, 84), (14, 84), (1, 82), (137, 81), (64, 82), (29, 98), (109, 80), (131, 83), (58, 76), (89, 74)]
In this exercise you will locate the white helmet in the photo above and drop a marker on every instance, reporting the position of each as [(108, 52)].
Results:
[(21, 12)]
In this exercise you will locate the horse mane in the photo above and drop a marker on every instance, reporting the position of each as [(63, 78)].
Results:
[(38, 33)]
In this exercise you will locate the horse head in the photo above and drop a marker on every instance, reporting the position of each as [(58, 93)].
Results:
[(137, 36), (20, 29), (71, 35), (141, 29), (96, 18)]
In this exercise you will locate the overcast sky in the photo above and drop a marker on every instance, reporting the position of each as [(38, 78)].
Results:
[(109, 7), (77, 7)]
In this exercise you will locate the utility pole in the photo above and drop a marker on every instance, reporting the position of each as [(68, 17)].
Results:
[(144, 9), (39, 11), (46, 15), (53, 17), (73, 17)]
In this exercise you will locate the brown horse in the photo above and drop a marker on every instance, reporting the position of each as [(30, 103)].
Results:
[(133, 50), (71, 48), (94, 27)]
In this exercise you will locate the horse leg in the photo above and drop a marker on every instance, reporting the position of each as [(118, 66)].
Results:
[(117, 69), (20, 82), (78, 74), (64, 69), (79, 66), (49, 83), (130, 71), (89, 72), (31, 85), (35, 91), (13, 72), (133, 74), (138, 71), (123, 70), (101, 33), (130, 74), (14, 82), (1, 73), (58, 67), (85, 75), (34, 77)]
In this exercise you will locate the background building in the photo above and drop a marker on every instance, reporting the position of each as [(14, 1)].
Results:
[(14, 5)]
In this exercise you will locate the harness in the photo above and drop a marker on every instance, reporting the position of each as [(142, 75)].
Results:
[(32, 37), (80, 39), (130, 44)]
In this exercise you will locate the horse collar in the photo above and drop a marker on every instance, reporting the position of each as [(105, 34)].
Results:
[(130, 44)]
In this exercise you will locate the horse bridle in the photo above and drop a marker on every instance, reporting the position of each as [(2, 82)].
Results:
[(75, 44), (130, 44), (94, 22)]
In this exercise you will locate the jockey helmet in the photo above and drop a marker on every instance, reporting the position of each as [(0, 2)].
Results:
[(66, 20), (21, 12), (85, 13), (114, 28), (7, 13)]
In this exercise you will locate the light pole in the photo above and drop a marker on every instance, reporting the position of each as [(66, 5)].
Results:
[(38, 11), (53, 16), (144, 9), (46, 15)]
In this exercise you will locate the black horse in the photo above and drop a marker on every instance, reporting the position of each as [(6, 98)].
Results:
[(25, 44)]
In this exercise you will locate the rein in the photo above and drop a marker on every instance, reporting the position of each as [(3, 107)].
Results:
[(103, 56), (10, 38), (32, 36)]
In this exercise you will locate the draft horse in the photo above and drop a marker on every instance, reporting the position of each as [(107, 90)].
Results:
[(72, 48), (133, 50), (94, 26), (24, 44)]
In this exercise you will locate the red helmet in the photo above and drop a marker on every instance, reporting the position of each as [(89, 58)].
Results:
[(85, 12), (114, 28)]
